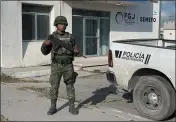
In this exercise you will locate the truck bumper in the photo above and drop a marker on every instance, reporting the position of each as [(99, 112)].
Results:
[(111, 77)]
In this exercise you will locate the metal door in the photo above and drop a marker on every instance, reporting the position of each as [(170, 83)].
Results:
[(91, 36)]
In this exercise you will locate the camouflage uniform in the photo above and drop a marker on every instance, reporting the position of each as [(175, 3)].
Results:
[(61, 66)]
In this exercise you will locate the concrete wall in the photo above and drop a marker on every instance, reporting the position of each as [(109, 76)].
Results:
[(66, 10), (169, 25), (169, 34), (33, 48), (125, 31), (94, 6), (15, 52), (32, 55), (11, 33)]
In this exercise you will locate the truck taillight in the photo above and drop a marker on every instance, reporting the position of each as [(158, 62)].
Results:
[(110, 60)]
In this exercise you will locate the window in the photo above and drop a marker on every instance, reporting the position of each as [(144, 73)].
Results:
[(35, 22)]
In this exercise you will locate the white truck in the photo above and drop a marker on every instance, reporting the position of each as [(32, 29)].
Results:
[(146, 68)]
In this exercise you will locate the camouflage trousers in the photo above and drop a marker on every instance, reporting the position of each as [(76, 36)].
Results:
[(57, 71)]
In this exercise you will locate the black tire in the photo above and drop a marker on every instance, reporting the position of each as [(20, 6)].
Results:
[(165, 95)]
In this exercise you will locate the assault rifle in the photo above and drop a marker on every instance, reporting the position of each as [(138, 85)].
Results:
[(59, 43)]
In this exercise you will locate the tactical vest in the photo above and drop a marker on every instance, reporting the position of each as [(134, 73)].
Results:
[(61, 52)]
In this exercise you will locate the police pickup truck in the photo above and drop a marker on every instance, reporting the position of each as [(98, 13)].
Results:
[(146, 68)]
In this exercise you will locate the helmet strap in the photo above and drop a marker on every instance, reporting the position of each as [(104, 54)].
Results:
[(61, 32)]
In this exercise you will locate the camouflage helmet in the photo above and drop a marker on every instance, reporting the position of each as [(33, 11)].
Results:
[(60, 20)]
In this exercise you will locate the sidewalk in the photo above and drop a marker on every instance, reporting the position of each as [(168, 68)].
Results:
[(36, 72), (92, 64), (91, 61), (27, 106)]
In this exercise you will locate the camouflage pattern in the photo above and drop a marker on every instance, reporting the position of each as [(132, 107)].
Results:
[(60, 20), (58, 70), (62, 53), (62, 65)]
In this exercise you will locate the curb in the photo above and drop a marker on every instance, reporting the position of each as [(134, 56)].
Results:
[(94, 70), (38, 73), (28, 73), (35, 73)]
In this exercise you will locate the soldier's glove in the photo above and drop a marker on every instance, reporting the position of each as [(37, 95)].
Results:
[(46, 47), (76, 51), (47, 42)]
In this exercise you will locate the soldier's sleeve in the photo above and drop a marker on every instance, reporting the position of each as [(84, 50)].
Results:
[(46, 49), (73, 40), (75, 47)]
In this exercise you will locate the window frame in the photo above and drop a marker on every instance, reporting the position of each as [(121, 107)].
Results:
[(35, 14)]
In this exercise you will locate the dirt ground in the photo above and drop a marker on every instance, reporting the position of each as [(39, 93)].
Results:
[(94, 91), (3, 118), (8, 79)]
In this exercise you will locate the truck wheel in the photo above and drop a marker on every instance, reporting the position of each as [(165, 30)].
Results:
[(154, 97)]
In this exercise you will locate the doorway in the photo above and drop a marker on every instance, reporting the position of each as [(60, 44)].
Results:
[(91, 36), (91, 30)]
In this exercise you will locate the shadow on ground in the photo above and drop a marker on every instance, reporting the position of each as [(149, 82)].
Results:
[(128, 96), (99, 96), (63, 106)]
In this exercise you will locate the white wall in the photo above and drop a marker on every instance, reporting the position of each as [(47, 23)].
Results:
[(11, 33), (169, 34), (32, 55), (94, 6), (33, 48), (138, 29), (124, 31), (66, 10), (169, 25), (15, 52)]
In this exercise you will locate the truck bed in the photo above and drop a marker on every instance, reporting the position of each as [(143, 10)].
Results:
[(158, 43)]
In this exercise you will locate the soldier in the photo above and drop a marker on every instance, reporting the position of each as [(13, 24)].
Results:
[(61, 65)]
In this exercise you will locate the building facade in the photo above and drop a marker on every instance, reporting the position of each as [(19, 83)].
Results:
[(169, 30), (94, 24)]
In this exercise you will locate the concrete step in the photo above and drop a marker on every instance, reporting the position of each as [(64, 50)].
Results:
[(90, 61), (45, 78), (96, 69), (45, 70), (91, 64), (27, 71)]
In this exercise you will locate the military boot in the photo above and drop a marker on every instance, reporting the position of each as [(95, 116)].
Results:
[(72, 108), (52, 109)]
